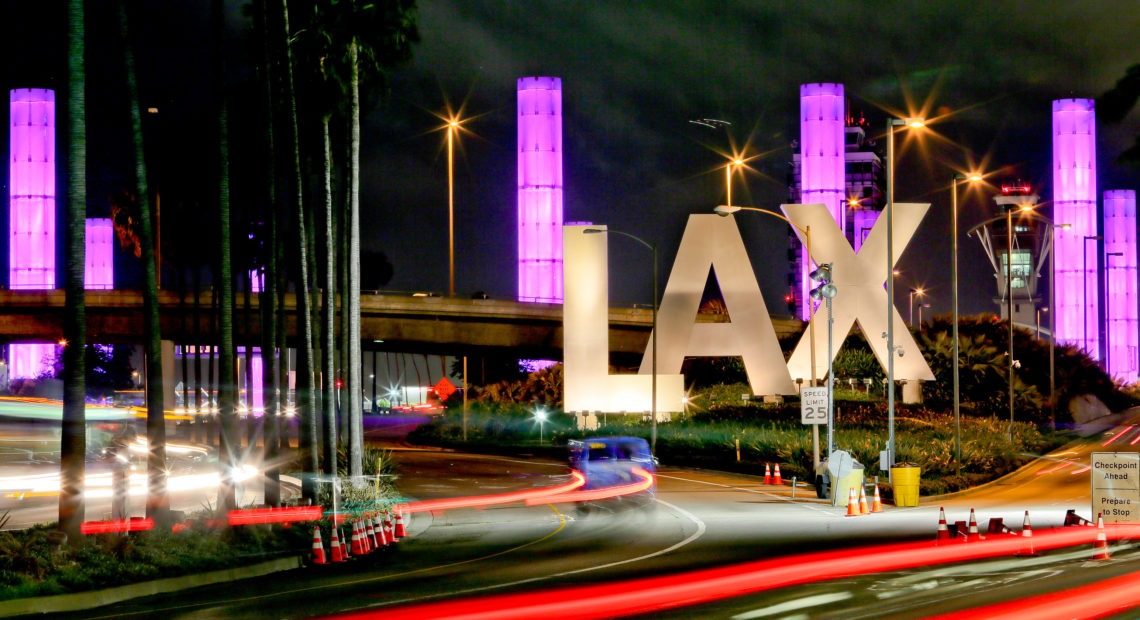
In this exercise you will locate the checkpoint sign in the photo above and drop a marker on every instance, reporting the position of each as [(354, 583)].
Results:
[(813, 405), (1115, 478)]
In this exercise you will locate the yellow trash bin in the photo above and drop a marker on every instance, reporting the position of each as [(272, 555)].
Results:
[(905, 481), (841, 487)]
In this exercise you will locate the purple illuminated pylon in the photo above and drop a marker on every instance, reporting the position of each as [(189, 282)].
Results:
[(540, 188), (1076, 272), (1120, 284), (31, 193), (822, 163), (100, 271), (31, 210)]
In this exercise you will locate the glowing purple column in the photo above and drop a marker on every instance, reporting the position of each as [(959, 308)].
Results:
[(1074, 203), (100, 269), (540, 188), (31, 207), (31, 210), (1120, 283), (822, 171)]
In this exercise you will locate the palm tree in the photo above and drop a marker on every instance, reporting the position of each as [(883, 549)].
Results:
[(365, 39), (305, 400), (226, 388), (158, 502), (73, 445)]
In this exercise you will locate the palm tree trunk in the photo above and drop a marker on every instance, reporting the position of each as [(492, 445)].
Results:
[(73, 438), (305, 401), (226, 385), (328, 319), (158, 502), (354, 383), (270, 355)]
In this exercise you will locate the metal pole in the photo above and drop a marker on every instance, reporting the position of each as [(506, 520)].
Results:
[(830, 384), (451, 210), (811, 337), (1009, 306), (1052, 327), (653, 431), (890, 293), (954, 304)]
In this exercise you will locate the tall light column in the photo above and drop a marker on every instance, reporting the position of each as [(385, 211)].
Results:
[(452, 127), (1121, 304), (1009, 305), (891, 124), (31, 209), (1109, 317), (823, 177), (1090, 351), (1074, 202), (540, 188)]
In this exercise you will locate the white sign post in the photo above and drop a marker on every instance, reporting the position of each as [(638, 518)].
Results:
[(1115, 478), (813, 405)]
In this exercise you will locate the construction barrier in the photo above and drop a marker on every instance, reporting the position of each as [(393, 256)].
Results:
[(905, 481)]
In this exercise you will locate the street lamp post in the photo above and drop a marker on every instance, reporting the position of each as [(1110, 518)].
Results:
[(891, 124), (1085, 290), (452, 127), (1108, 296), (725, 211), (653, 335), (1009, 305), (954, 304), (728, 179), (920, 307), (915, 292)]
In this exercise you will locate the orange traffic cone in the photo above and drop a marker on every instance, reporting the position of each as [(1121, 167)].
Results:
[(767, 473), (972, 533), (318, 547), (347, 547), (776, 479), (365, 539), (877, 503), (863, 501), (388, 531), (1101, 545), (380, 537), (371, 533), (943, 530), (852, 503), (1027, 538), (400, 531), (337, 552)]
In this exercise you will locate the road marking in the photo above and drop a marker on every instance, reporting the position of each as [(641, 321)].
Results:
[(803, 603), (746, 490)]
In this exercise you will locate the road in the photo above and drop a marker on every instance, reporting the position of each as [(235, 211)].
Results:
[(701, 519)]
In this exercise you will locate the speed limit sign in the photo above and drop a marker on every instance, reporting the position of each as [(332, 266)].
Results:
[(813, 405)]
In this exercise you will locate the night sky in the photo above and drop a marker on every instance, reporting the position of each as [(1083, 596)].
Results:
[(634, 74)]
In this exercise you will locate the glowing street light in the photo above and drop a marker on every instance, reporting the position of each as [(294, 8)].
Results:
[(653, 364), (725, 211), (728, 177), (915, 292), (915, 123), (974, 177), (540, 415), (452, 128)]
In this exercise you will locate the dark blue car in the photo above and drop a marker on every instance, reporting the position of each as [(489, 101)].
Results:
[(610, 461)]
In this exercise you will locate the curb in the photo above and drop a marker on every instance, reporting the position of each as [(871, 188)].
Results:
[(97, 598)]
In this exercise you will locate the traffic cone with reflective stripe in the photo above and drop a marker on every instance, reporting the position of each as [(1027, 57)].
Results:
[(355, 549), (378, 525), (943, 530), (365, 539), (972, 533), (318, 547), (388, 531), (1027, 538), (400, 531), (767, 473), (863, 501), (776, 479), (346, 547), (337, 552), (371, 533), (877, 503), (852, 503), (1101, 545)]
